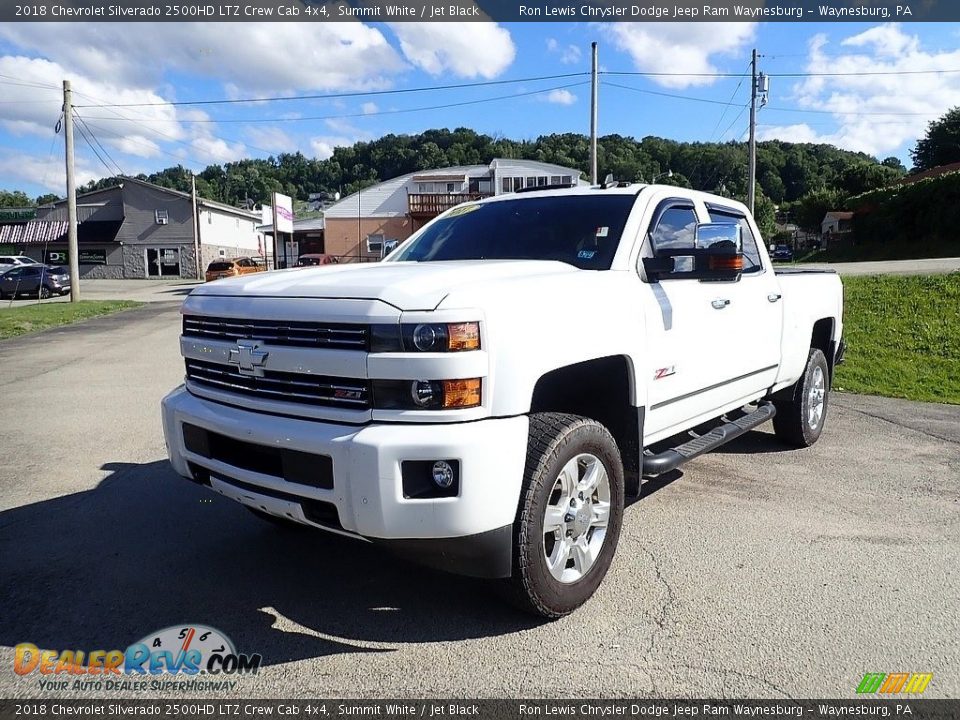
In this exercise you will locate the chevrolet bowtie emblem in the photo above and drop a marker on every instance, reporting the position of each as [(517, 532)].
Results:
[(248, 358)]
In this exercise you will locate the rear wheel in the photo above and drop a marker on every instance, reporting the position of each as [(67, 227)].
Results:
[(799, 421), (569, 517)]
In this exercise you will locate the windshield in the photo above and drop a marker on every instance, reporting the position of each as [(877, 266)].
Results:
[(582, 230), (219, 266)]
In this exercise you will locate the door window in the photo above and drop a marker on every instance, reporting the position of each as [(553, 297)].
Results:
[(674, 229)]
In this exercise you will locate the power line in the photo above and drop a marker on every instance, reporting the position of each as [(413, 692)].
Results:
[(858, 73), (724, 113), (735, 120), (342, 95), (363, 114), (153, 147), (171, 138), (97, 140), (83, 133)]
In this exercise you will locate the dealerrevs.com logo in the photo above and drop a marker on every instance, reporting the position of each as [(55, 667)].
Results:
[(184, 651)]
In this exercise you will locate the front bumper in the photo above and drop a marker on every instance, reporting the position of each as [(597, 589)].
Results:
[(468, 533)]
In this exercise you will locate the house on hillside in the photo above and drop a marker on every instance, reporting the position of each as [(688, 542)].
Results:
[(365, 225), (837, 226), (136, 229)]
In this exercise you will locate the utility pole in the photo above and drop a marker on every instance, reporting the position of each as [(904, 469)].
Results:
[(593, 116), (196, 226), (73, 252), (752, 173), (273, 208)]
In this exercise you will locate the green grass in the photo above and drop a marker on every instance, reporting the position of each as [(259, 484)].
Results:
[(903, 337), (31, 318)]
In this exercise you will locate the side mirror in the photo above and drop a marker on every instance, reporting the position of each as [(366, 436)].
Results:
[(717, 254)]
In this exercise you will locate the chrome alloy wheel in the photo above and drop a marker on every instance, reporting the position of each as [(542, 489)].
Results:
[(815, 398), (575, 521)]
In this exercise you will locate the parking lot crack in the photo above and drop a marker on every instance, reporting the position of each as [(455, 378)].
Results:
[(929, 434)]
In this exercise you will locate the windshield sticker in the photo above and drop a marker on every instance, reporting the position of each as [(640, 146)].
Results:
[(603, 231), (462, 210), (586, 254)]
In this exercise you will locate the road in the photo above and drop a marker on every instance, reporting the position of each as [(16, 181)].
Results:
[(756, 572), (926, 266)]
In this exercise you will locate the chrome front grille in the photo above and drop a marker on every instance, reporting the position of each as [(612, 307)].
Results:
[(335, 336), (347, 393)]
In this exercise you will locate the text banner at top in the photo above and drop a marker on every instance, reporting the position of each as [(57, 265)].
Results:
[(482, 10)]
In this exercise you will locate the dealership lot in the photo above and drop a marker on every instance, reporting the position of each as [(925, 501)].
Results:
[(756, 572)]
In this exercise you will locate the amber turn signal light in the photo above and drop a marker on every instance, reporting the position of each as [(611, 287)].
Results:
[(461, 393), (726, 262), (463, 336)]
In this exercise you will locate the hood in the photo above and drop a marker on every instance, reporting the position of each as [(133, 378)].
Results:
[(404, 285)]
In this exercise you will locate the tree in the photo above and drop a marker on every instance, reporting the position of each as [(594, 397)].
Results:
[(862, 177), (47, 199), (894, 162), (941, 144), (808, 212), (14, 198)]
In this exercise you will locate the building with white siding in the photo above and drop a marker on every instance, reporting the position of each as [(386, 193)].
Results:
[(360, 226)]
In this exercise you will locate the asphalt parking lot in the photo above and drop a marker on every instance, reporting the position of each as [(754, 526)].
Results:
[(756, 572)]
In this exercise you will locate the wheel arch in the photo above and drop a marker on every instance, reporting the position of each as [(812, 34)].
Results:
[(602, 389)]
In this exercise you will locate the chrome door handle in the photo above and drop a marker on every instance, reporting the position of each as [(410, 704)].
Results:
[(773, 297), (720, 303)]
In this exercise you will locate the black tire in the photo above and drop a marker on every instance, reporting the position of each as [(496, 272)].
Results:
[(793, 423), (44, 292), (279, 522), (555, 440)]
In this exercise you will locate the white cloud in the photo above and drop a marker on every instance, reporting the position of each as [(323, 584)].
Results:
[(323, 145), (559, 97), (569, 54), (666, 47), (271, 138), (344, 135), (249, 58), (468, 49), (368, 108), (871, 113), (48, 173)]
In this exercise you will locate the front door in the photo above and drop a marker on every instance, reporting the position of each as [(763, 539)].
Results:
[(163, 262)]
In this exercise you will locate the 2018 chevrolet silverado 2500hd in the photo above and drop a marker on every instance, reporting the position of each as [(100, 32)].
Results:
[(483, 399)]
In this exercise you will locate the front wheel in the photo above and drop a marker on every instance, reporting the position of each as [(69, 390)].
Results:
[(44, 292), (799, 421), (569, 517)]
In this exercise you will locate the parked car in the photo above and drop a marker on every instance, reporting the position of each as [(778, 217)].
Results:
[(35, 279), (782, 253), (484, 399), (16, 260), (232, 268), (316, 259)]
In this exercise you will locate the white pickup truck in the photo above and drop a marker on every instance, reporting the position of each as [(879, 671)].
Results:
[(483, 399)]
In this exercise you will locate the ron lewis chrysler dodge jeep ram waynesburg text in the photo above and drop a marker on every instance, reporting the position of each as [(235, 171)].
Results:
[(484, 398)]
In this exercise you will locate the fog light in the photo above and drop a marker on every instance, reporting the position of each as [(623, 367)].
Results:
[(442, 474), (425, 393)]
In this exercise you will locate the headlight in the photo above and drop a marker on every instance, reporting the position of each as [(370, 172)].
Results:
[(425, 337), (426, 394)]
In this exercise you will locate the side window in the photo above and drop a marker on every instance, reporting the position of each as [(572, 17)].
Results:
[(751, 254), (674, 228)]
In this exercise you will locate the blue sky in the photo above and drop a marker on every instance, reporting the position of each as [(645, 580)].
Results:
[(158, 63)]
